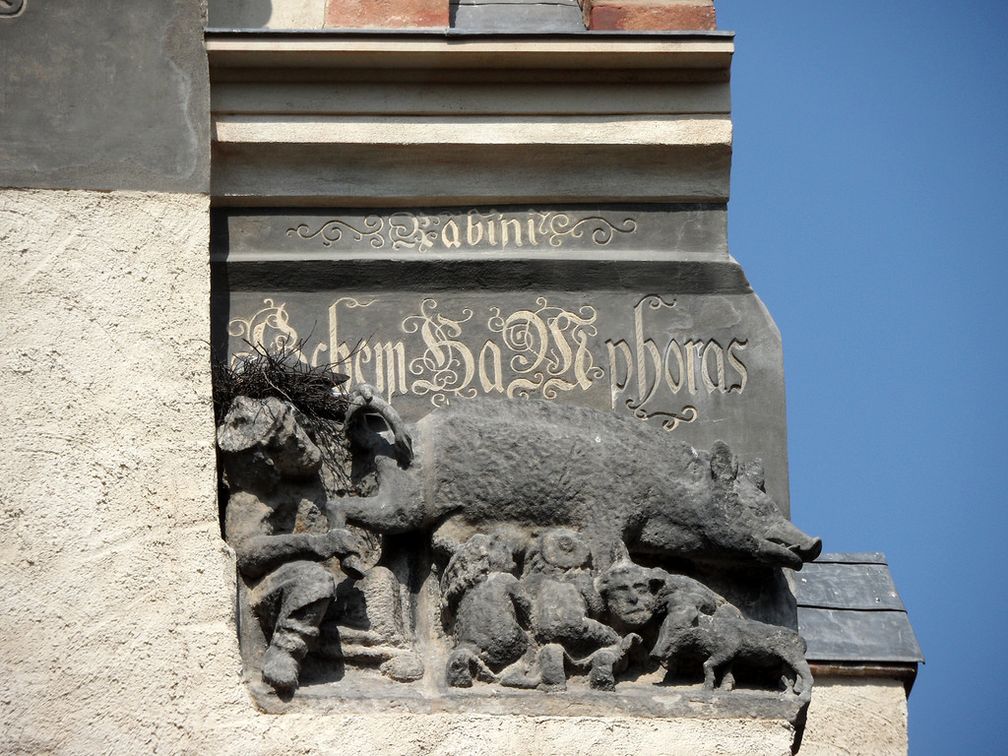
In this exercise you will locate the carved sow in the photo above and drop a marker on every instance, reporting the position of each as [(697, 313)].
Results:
[(526, 465)]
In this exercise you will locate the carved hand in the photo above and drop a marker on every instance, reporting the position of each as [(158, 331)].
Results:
[(338, 542)]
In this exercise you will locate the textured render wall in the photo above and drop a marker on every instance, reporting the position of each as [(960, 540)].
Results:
[(114, 613), (856, 717)]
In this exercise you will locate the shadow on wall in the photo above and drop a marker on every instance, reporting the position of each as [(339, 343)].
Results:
[(239, 14)]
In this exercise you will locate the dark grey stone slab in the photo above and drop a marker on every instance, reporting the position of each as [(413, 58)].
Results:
[(642, 320), (847, 586), (105, 95), (858, 636), (686, 230), (516, 16)]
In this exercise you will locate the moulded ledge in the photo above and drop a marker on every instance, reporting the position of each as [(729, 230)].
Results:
[(477, 130), (360, 175), (504, 95), (445, 50)]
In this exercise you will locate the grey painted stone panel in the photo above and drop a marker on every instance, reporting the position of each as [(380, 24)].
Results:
[(675, 338), (517, 16), (866, 587), (650, 232), (461, 173), (394, 93), (105, 95), (852, 636)]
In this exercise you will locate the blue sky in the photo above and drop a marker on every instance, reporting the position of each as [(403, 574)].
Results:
[(868, 208)]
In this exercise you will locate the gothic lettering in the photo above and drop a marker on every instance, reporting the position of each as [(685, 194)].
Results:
[(443, 352)]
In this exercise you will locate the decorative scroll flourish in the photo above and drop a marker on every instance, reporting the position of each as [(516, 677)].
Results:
[(474, 229), (687, 415), (12, 7), (332, 231), (556, 226), (448, 361)]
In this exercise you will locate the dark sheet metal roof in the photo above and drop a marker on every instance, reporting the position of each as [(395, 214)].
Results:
[(849, 611)]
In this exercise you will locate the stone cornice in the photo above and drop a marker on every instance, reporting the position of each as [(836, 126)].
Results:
[(705, 51)]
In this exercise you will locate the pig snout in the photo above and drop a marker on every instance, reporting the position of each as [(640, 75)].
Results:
[(783, 542)]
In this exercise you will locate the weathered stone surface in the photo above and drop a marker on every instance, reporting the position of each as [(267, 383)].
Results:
[(650, 15), (405, 14), (866, 717), (469, 493), (101, 95)]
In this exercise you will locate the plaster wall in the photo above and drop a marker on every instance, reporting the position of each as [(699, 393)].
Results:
[(853, 717)]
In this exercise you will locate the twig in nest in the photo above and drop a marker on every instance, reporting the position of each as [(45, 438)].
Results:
[(284, 375)]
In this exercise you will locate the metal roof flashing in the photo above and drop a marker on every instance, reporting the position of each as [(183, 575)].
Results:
[(852, 618)]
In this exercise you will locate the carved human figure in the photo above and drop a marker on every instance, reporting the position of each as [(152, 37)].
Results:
[(277, 525), (565, 601), (486, 609), (641, 599)]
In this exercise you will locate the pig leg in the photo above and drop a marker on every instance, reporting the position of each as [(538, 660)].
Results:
[(715, 661), (551, 668), (728, 679), (802, 683)]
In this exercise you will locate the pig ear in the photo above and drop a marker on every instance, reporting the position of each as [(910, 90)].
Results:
[(754, 471), (722, 462)]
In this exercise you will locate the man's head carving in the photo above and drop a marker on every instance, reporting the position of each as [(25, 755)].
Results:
[(630, 591), (268, 433)]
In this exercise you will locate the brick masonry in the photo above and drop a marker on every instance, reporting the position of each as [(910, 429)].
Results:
[(386, 14), (650, 15)]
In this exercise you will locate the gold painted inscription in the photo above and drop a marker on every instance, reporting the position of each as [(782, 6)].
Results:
[(475, 229), (441, 353)]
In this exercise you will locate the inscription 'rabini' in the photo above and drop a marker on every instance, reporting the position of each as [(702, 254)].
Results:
[(472, 230)]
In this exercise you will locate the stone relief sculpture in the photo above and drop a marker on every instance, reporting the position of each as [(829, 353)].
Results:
[(276, 524), (515, 544)]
